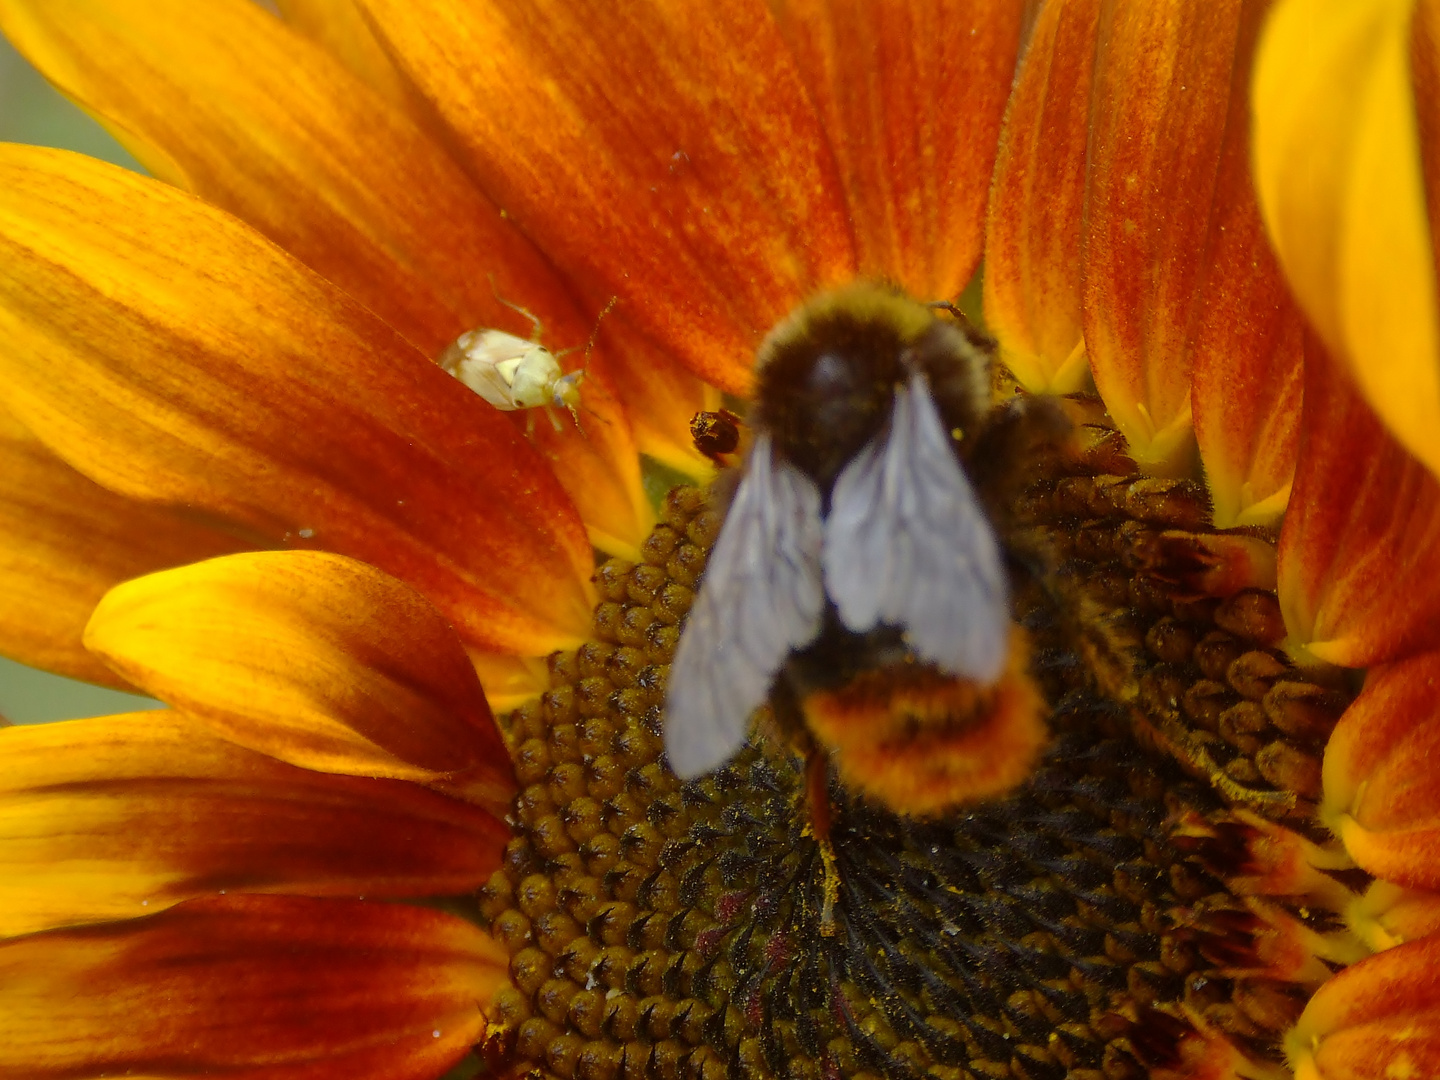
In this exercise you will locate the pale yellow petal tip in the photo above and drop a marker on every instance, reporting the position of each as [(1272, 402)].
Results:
[(1300, 1046), (509, 681), (1168, 451), (1336, 652), (1365, 916), (1319, 659), (1043, 374), (1264, 513)]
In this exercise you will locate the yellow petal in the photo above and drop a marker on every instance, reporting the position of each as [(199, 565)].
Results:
[(1248, 339), (251, 988), (1032, 240), (913, 128), (122, 816), (1339, 172), (67, 541), (1359, 553), (203, 366), (312, 658), (666, 152), (1165, 79)]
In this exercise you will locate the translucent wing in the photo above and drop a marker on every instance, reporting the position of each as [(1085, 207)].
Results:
[(907, 543), (761, 597), (481, 360)]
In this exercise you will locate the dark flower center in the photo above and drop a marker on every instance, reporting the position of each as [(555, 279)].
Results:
[(1111, 918)]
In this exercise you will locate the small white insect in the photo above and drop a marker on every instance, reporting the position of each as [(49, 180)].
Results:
[(514, 373)]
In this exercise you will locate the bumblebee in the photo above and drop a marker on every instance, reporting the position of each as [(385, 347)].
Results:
[(858, 582)]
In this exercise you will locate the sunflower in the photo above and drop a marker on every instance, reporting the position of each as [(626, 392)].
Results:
[(237, 480)]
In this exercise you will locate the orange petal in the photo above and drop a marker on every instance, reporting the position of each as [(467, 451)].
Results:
[(203, 366), (1359, 554), (124, 815), (1169, 80), (1249, 344), (661, 398), (667, 153), (339, 28), (68, 540), (225, 101), (1338, 166), (1032, 240), (914, 129), (249, 987), (312, 658), (1381, 794), (210, 98), (1376, 1020), (596, 459)]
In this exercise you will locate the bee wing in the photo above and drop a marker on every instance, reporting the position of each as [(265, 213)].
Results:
[(907, 543), (761, 596)]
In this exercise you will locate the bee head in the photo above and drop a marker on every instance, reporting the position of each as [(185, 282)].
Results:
[(827, 375)]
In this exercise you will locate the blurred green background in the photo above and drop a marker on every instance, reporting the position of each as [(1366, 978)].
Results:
[(32, 112)]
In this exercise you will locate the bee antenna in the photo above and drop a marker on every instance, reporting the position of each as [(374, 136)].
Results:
[(537, 327)]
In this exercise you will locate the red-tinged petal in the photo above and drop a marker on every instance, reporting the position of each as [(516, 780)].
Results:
[(224, 100), (1381, 795), (252, 988), (203, 366), (339, 27), (668, 153), (1389, 915), (122, 816), (595, 457), (1338, 167), (1249, 343), (312, 658), (1032, 239), (1376, 1020), (1359, 554), (1166, 80), (911, 94), (67, 541), (228, 103)]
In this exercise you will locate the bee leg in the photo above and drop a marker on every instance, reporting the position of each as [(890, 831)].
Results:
[(554, 420), (787, 725), (530, 423), (817, 795)]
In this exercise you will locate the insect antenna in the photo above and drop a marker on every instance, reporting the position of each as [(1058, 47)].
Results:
[(567, 387)]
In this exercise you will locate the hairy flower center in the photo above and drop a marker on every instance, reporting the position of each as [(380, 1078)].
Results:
[(1120, 915)]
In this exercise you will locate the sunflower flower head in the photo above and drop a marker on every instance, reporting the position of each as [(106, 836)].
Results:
[(273, 457)]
